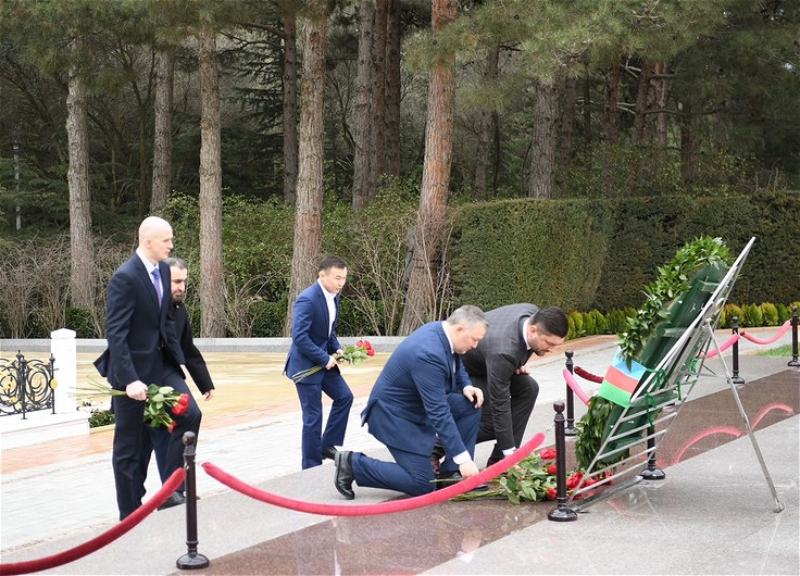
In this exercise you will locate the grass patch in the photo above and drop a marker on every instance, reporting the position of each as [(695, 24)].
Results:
[(785, 350)]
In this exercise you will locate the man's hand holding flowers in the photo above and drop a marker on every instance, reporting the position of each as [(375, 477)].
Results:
[(355, 355)]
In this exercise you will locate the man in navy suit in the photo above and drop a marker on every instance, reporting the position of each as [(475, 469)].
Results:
[(143, 349), (314, 344), (423, 390)]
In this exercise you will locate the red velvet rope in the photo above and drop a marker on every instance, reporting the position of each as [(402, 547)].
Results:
[(382, 507), (725, 345), (586, 375), (172, 484), (572, 383), (755, 340)]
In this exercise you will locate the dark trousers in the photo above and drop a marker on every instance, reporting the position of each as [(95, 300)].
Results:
[(310, 394), (131, 435), (524, 391), (412, 473)]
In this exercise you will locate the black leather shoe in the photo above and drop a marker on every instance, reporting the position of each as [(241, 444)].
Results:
[(344, 474), (329, 452), (176, 499)]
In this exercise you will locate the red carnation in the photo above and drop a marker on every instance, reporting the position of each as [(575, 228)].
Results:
[(548, 454)]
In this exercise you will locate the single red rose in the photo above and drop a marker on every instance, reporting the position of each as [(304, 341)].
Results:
[(171, 427), (180, 408), (552, 470), (360, 344), (184, 399), (548, 454), (370, 352), (367, 345), (551, 494)]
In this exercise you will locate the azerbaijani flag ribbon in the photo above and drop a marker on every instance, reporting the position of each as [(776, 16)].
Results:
[(620, 381)]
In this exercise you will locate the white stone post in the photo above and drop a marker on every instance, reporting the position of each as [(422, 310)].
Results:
[(64, 349)]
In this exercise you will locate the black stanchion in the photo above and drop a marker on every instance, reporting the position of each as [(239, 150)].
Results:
[(562, 513), (651, 472), (192, 560), (794, 361), (570, 430), (735, 378)]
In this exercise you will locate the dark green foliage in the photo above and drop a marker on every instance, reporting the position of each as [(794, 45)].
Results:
[(769, 313), (101, 418), (783, 313), (81, 321), (751, 316), (547, 253)]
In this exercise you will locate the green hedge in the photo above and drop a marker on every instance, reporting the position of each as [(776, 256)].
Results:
[(601, 253)]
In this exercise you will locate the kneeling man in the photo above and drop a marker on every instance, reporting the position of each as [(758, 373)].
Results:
[(422, 391)]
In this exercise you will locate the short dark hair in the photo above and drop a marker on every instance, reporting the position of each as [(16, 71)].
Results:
[(553, 321), (331, 262), (174, 261)]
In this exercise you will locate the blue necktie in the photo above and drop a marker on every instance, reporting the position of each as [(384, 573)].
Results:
[(157, 283)]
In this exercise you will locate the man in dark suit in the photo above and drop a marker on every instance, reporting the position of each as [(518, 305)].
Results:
[(195, 365), (498, 366), (315, 345), (423, 390), (143, 349)]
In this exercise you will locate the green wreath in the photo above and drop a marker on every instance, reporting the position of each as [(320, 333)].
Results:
[(673, 280)]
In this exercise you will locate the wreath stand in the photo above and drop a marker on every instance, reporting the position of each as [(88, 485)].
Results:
[(662, 392)]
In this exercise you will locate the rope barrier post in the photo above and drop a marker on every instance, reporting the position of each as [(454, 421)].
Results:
[(562, 513), (735, 378), (794, 361), (192, 560), (570, 430), (651, 472)]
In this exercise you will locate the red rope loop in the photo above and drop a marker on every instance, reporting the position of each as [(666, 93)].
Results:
[(572, 383), (755, 340), (725, 345), (104, 539), (586, 375), (383, 507)]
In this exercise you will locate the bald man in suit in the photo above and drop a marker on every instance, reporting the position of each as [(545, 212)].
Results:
[(143, 349)]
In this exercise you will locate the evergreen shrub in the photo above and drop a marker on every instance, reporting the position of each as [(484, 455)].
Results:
[(769, 313), (751, 316)]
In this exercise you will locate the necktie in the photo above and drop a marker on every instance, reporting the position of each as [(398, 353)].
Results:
[(157, 283)]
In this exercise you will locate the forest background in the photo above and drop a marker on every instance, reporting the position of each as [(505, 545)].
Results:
[(482, 152)]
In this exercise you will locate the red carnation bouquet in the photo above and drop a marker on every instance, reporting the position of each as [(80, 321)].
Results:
[(159, 398), (354, 355)]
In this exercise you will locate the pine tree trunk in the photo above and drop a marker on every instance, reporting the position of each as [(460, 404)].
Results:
[(543, 146), (610, 103), (566, 129), (80, 214), (162, 137), (424, 284), (690, 123), (393, 86), (212, 282), (290, 103), (483, 153), (363, 153), (642, 99), (611, 123), (379, 96), (308, 210)]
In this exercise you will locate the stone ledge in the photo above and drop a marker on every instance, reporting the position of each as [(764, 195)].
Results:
[(41, 426)]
